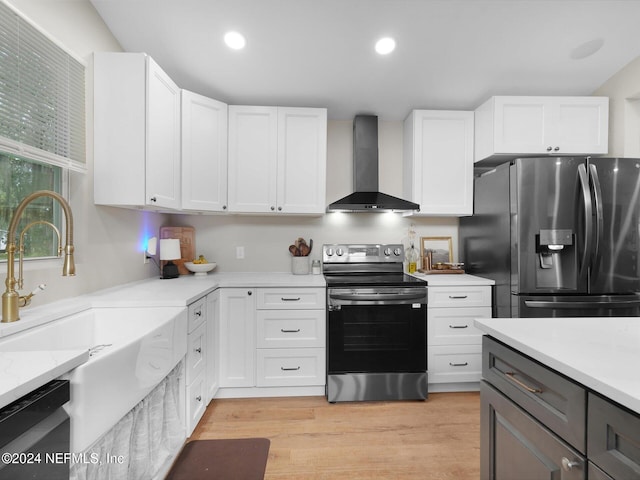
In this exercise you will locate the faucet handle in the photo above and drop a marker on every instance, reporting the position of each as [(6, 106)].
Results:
[(25, 300)]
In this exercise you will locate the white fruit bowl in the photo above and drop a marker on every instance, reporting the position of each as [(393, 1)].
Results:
[(200, 269)]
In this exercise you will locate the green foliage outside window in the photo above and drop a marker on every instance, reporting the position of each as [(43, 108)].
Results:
[(18, 178)]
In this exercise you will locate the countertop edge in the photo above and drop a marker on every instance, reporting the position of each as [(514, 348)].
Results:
[(588, 380)]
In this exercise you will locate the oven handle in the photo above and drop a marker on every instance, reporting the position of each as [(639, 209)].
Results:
[(373, 298)]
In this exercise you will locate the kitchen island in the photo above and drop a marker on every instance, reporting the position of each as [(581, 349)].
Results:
[(562, 395)]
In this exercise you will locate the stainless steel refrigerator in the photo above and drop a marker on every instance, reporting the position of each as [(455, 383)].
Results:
[(559, 235)]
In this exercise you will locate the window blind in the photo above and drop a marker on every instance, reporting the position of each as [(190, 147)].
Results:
[(42, 102)]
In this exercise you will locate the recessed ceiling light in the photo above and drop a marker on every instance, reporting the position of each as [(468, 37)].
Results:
[(385, 45), (234, 40), (587, 49)]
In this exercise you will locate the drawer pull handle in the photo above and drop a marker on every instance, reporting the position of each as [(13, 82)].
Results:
[(567, 465), (458, 326), (512, 376), (464, 364), (289, 331), (457, 297), (289, 369), (290, 299), (198, 350)]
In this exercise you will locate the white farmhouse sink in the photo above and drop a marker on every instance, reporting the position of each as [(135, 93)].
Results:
[(131, 350)]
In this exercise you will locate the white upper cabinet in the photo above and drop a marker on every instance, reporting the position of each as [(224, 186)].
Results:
[(510, 127), (277, 160), (204, 153), (137, 133), (438, 161)]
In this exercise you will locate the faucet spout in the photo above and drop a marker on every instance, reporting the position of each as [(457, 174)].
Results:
[(10, 298)]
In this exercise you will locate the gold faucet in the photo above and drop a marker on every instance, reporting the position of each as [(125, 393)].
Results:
[(11, 300)]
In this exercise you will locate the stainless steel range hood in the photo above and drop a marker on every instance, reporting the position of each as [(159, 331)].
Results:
[(366, 197)]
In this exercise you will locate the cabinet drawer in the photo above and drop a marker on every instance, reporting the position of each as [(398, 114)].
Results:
[(291, 328), (196, 353), (196, 403), (197, 314), (479, 296), (554, 400), (454, 363), (613, 438), (454, 326), (290, 367), (291, 298)]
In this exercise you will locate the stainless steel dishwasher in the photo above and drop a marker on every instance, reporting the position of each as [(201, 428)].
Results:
[(34, 435)]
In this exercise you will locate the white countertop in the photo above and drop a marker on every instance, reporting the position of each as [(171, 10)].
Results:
[(23, 372), (602, 354), (452, 279)]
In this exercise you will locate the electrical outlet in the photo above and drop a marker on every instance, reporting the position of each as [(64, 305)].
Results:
[(240, 253)]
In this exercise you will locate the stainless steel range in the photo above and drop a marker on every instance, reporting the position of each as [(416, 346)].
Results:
[(376, 325)]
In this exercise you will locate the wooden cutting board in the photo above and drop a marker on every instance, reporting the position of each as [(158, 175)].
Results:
[(187, 237)]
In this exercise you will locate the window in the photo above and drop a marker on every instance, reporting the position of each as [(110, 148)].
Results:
[(18, 178), (42, 129)]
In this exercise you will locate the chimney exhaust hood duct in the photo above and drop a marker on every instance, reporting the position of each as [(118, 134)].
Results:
[(366, 197)]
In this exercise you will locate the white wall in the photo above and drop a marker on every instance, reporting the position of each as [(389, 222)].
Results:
[(108, 241), (623, 90)]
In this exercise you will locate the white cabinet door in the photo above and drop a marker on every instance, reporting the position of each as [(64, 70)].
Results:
[(277, 159), (302, 160), (237, 337), (581, 125), (204, 153), (510, 127), (163, 138), (522, 124), (253, 150), (438, 161), (136, 133)]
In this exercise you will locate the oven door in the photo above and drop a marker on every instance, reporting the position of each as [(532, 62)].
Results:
[(377, 330)]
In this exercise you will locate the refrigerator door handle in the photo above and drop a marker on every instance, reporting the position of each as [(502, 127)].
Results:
[(595, 181), (582, 304), (588, 218)]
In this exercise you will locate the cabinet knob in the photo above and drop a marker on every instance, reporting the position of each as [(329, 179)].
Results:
[(549, 149), (224, 207), (198, 350), (556, 149), (153, 199), (199, 398), (279, 209), (249, 292), (567, 465), (272, 208)]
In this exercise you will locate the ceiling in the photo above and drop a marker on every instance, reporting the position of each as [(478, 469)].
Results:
[(450, 54)]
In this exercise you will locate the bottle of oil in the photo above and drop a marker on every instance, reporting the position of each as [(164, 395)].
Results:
[(412, 259)]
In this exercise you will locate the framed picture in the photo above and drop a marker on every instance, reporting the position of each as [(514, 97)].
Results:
[(440, 248)]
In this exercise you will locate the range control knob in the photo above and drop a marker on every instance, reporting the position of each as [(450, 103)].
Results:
[(339, 252), (397, 251), (329, 252), (387, 252)]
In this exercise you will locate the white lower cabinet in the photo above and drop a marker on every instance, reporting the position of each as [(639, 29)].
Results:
[(196, 362), (237, 337), (272, 342), (454, 345)]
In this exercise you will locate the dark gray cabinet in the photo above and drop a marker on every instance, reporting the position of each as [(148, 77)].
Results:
[(613, 439), (514, 445), (538, 424)]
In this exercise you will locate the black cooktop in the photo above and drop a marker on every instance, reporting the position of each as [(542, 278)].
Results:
[(374, 280)]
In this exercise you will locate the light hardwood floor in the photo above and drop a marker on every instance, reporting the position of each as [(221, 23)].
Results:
[(311, 439)]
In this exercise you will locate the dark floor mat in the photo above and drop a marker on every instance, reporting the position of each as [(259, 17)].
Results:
[(237, 459)]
